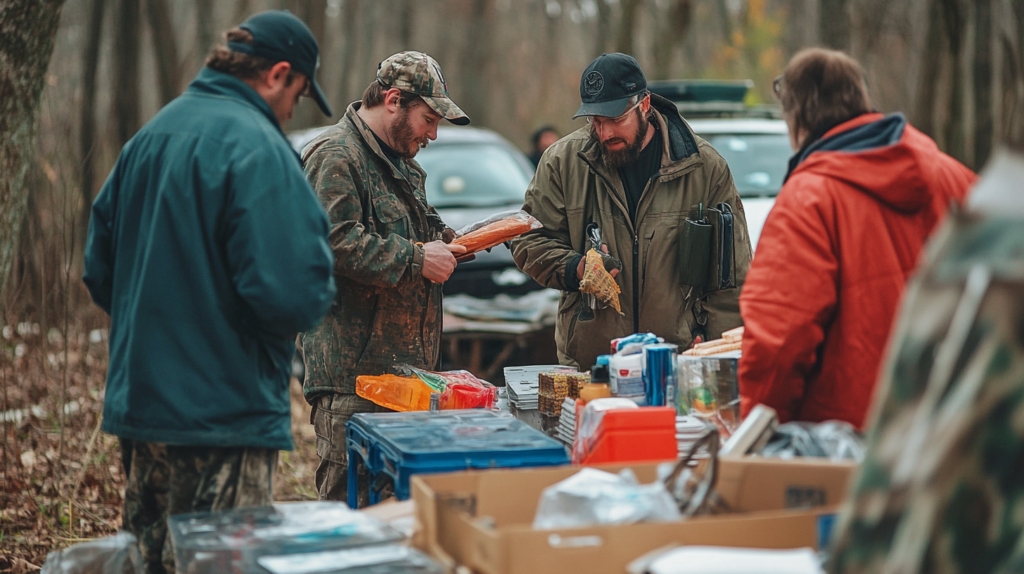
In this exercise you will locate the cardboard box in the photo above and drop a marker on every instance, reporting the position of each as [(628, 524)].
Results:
[(483, 519)]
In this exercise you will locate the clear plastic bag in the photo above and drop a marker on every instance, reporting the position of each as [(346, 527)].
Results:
[(836, 440), (215, 542), (384, 559), (117, 554), (496, 229), (592, 497), (458, 389)]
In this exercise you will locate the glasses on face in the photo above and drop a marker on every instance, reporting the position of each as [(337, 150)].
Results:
[(777, 86), (597, 120)]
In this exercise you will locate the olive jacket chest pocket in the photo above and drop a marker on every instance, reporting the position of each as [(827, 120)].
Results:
[(391, 216)]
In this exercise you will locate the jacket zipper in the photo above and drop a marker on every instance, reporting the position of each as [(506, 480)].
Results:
[(636, 282)]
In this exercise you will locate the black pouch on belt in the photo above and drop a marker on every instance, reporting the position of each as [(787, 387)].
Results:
[(707, 260), (695, 238), (721, 275)]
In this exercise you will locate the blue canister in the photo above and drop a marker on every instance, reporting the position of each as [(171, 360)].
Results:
[(659, 374)]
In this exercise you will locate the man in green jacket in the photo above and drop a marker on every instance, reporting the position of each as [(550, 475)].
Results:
[(635, 171), (390, 247), (209, 251)]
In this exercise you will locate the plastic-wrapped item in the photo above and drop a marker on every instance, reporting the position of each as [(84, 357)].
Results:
[(588, 426), (459, 389), (216, 542), (117, 554), (836, 440), (494, 230), (384, 559), (636, 338), (718, 560), (709, 388), (599, 282), (396, 393), (592, 497)]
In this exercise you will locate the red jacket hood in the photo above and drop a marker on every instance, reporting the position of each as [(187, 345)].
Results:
[(882, 156)]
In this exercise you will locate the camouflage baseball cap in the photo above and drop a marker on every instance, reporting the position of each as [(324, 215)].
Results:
[(418, 73)]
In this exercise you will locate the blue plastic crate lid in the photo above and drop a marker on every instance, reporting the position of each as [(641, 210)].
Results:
[(467, 433)]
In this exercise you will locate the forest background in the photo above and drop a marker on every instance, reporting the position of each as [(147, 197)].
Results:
[(80, 77)]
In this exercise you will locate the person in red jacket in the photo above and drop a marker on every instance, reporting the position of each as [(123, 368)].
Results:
[(863, 192)]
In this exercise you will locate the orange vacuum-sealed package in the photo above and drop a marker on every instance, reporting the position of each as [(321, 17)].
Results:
[(495, 230)]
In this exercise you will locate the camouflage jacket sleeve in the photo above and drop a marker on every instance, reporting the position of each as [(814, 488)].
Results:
[(543, 254), (360, 254)]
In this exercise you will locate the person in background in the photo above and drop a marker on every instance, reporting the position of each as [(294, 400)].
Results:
[(542, 140), (391, 247), (209, 251), (863, 192), (636, 170)]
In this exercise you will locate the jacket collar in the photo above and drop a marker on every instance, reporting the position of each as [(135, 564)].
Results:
[(214, 83), (371, 142)]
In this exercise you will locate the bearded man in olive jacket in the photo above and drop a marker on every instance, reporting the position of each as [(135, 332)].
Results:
[(637, 171)]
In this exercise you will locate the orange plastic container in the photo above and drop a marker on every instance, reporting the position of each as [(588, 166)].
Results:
[(635, 435), (394, 392)]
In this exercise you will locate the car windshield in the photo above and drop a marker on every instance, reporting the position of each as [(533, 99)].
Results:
[(477, 175), (758, 161)]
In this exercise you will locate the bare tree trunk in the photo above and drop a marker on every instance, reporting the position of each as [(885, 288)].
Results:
[(351, 16), (984, 121), (406, 11), (205, 39), (954, 16), (931, 68), (835, 24), (627, 25), (671, 36), (87, 131), (126, 71), (27, 32), (604, 26), (481, 44), (165, 48)]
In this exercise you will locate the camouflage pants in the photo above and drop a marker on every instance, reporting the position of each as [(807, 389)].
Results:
[(330, 413), (165, 480)]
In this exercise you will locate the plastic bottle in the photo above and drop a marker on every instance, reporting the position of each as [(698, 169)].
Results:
[(598, 387), (626, 377)]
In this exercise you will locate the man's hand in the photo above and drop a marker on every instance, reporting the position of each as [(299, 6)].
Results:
[(613, 271), (439, 260)]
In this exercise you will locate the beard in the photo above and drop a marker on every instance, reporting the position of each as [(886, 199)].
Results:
[(629, 154), (402, 138)]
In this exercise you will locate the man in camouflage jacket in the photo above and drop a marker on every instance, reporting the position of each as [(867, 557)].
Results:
[(391, 250)]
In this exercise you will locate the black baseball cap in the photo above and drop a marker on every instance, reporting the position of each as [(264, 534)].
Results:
[(608, 84), (281, 37)]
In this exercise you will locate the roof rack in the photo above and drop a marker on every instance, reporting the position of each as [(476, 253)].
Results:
[(712, 98)]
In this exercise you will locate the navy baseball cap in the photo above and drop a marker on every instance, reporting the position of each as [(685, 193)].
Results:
[(608, 84), (281, 37)]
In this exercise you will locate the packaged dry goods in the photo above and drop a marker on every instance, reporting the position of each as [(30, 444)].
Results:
[(599, 282), (495, 230), (456, 390)]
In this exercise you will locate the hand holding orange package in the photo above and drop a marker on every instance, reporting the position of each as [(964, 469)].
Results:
[(494, 230)]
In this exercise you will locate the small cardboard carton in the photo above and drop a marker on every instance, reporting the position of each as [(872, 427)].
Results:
[(483, 519)]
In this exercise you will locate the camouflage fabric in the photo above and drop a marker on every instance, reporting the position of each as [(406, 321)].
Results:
[(418, 73), (165, 480), (385, 312), (330, 414), (941, 487)]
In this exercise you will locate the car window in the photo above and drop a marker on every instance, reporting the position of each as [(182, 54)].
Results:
[(477, 175), (758, 161)]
